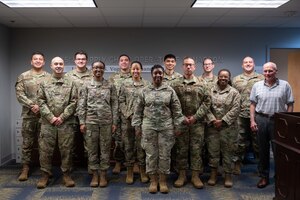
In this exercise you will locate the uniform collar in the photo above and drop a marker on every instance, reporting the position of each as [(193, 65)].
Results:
[(190, 81), (163, 86)]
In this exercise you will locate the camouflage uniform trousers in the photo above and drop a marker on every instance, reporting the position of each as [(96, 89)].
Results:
[(132, 147), (30, 132), (64, 136), (158, 145), (118, 153), (205, 157), (221, 142), (190, 143), (98, 140), (79, 145), (245, 138)]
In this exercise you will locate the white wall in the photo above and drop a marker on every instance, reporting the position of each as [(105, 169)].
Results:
[(227, 46), (5, 100)]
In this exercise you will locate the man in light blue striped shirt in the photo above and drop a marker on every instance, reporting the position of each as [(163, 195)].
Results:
[(267, 97)]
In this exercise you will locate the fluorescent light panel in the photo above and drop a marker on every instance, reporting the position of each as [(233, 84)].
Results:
[(49, 3), (238, 3)]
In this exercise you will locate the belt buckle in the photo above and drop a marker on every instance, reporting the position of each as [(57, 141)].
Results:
[(268, 116)]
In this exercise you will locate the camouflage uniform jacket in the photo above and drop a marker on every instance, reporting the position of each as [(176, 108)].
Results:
[(225, 104), (168, 78), (210, 82), (244, 85), (57, 98), (27, 87), (129, 93), (117, 79), (98, 103), (194, 97), (79, 78), (157, 109)]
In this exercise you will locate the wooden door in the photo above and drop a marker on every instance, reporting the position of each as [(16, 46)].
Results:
[(294, 77)]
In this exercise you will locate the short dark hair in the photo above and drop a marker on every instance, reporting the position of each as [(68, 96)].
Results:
[(188, 57), (208, 58), (81, 52), (124, 55), (226, 70), (157, 66), (99, 62), (169, 56), (37, 53), (137, 62)]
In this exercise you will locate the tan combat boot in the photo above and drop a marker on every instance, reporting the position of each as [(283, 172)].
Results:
[(42, 182), (136, 169), (181, 179), (95, 179), (67, 180), (24, 173), (237, 168), (144, 176), (129, 176), (163, 187), (213, 177), (117, 168), (196, 181), (153, 183), (228, 180), (103, 180)]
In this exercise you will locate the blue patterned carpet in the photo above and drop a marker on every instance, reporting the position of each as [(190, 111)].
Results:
[(244, 187)]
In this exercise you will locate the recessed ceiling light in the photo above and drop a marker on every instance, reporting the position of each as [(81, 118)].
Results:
[(238, 3), (48, 3)]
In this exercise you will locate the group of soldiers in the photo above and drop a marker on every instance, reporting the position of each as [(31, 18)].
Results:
[(60, 106)]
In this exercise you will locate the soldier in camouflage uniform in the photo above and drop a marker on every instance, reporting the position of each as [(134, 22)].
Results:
[(157, 114), (98, 115), (243, 83), (57, 99), (222, 126), (209, 80), (27, 87), (170, 74), (208, 77), (130, 90), (79, 75), (195, 101), (117, 79)]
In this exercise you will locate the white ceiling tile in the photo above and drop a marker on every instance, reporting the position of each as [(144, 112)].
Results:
[(235, 20), (198, 20), (17, 22), (169, 3), (85, 24), (150, 13), (206, 12), (268, 22), (123, 21), (243, 12), (36, 11), (51, 22), (193, 24), (164, 11), (82, 12), (119, 3), (159, 25), (123, 12), (8, 12), (161, 19), (87, 21)]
